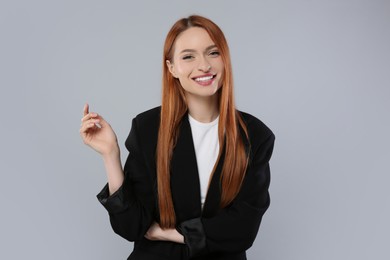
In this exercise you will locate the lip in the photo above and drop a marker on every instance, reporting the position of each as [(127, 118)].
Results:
[(205, 82)]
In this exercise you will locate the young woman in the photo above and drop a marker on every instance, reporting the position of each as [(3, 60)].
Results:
[(195, 183)]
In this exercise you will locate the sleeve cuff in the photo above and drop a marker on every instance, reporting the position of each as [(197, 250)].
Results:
[(114, 203), (194, 236)]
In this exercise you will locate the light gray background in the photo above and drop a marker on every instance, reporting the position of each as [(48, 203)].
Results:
[(316, 72)]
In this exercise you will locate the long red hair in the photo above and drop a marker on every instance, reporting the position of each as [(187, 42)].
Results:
[(174, 107)]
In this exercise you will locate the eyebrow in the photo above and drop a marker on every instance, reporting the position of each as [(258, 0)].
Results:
[(192, 50)]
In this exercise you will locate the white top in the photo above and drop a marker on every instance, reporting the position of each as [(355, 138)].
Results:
[(206, 143)]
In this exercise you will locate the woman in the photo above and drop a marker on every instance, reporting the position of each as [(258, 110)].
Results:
[(195, 183)]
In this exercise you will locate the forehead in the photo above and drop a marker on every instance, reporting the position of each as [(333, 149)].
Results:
[(195, 38)]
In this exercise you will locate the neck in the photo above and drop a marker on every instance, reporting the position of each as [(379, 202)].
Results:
[(203, 109)]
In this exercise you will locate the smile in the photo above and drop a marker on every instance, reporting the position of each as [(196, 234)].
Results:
[(204, 78)]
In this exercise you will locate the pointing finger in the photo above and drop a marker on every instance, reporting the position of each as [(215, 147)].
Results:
[(86, 109)]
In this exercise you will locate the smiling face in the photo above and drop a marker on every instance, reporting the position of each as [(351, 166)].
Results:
[(197, 63)]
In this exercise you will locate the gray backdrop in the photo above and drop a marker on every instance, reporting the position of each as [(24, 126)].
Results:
[(316, 72)]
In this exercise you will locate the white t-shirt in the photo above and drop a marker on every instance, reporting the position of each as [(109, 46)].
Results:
[(206, 143)]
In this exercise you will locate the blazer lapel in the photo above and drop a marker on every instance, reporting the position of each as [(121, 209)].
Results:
[(213, 198), (185, 185)]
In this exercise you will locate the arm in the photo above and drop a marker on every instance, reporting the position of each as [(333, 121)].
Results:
[(130, 210), (115, 175), (155, 232), (131, 206), (235, 227), (99, 135)]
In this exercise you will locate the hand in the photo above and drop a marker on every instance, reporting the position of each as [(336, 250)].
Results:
[(98, 134), (155, 232)]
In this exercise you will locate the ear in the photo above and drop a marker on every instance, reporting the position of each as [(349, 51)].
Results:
[(171, 68)]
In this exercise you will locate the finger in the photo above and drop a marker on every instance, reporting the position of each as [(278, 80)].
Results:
[(148, 235), (91, 120), (102, 122), (89, 116), (86, 109), (85, 127), (84, 132)]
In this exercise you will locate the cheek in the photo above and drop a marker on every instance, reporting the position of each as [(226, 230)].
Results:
[(221, 77), (183, 68), (219, 64), (220, 81)]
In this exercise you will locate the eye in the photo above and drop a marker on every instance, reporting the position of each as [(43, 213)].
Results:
[(214, 53), (187, 57)]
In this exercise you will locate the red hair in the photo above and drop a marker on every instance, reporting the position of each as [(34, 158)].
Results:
[(174, 107)]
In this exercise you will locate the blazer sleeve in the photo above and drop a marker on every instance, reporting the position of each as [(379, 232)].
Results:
[(130, 208), (234, 228)]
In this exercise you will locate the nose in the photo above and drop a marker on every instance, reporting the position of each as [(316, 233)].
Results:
[(204, 66)]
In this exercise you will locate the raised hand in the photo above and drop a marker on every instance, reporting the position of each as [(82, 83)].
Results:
[(98, 134)]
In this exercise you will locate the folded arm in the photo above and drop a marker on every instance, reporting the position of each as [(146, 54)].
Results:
[(235, 227)]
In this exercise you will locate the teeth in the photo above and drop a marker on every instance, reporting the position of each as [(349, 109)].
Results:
[(204, 78)]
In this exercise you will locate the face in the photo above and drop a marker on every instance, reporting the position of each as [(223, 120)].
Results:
[(197, 63)]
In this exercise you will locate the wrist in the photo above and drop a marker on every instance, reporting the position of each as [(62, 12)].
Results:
[(112, 155), (175, 236)]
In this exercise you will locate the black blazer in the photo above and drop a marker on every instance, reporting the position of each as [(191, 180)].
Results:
[(213, 233)]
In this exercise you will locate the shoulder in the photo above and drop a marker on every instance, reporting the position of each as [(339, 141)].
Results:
[(258, 132), (148, 117), (147, 122), (144, 128), (255, 125)]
